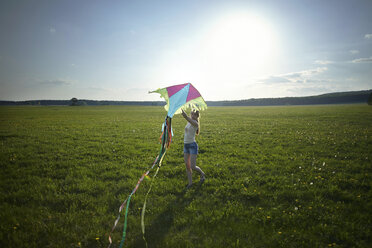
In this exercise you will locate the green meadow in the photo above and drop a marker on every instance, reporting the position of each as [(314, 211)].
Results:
[(291, 176)]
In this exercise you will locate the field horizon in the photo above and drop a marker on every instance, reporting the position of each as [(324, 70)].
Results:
[(346, 97)]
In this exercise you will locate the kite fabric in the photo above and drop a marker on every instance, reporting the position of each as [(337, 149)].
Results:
[(178, 97), (181, 96)]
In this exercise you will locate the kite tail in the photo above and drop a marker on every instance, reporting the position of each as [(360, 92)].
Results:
[(166, 136), (169, 131), (144, 206), (127, 201), (166, 140)]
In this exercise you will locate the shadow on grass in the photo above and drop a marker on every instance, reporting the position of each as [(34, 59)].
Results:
[(156, 232)]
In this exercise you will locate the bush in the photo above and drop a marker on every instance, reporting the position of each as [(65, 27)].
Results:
[(75, 102)]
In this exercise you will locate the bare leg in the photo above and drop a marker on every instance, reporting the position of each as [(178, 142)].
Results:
[(188, 167), (193, 165)]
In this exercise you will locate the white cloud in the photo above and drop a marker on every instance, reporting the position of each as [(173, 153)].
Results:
[(306, 73), (295, 77), (276, 79), (362, 60), (98, 89), (368, 36), (354, 51), (56, 82), (323, 62)]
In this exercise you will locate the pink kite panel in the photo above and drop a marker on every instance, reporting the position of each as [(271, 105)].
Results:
[(174, 89), (193, 93)]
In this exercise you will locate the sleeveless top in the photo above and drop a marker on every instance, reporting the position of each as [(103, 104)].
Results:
[(190, 132)]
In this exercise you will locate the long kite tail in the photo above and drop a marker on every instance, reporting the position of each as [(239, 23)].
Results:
[(166, 139), (128, 199)]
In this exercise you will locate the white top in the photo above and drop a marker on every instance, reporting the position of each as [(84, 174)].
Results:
[(190, 132)]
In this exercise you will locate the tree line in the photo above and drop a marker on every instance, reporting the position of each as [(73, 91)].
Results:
[(349, 97)]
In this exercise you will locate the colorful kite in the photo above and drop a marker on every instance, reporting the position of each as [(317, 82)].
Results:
[(178, 97)]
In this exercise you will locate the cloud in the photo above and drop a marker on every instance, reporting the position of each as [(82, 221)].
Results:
[(323, 62), (98, 89), (318, 81), (362, 60), (276, 79), (368, 36), (56, 82), (304, 76), (306, 73), (52, 30), (354, 51)]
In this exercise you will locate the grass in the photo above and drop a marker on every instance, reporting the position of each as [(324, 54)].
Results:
[(294, 176)]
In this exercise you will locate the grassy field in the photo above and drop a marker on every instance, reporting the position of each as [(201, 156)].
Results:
[(276, 177)]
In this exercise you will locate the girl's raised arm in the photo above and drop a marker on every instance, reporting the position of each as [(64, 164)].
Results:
[(192, 122)]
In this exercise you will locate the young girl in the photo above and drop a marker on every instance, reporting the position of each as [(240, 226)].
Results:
[(190, 148)]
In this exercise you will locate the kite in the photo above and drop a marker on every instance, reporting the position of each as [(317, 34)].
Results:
[(178, 97)]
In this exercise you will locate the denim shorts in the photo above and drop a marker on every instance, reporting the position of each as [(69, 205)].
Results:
[(191, 148)]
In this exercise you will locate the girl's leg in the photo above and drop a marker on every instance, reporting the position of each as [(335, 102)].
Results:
[(188, 167), (193, 165)]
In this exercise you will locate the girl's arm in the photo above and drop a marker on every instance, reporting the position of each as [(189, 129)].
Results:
[(192, 122)]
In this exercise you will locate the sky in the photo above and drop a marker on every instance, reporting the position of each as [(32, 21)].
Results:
[(229, 50)]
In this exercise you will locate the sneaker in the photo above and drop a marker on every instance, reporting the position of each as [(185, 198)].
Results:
[(202, 179)]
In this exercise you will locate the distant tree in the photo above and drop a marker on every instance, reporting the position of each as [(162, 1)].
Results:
[(74, 102), (370, 99)]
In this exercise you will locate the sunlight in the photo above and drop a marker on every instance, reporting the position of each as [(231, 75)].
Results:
[(240, 45)]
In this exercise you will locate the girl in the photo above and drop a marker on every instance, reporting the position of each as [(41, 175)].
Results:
[(190, 148)]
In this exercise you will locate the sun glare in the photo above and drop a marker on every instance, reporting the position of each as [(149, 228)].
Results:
[(240, 44)]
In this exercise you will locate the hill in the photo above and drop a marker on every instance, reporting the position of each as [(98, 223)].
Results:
[(348, 97), (329, 98)]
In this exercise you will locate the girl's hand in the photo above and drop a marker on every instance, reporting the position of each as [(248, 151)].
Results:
[(184, 113)]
